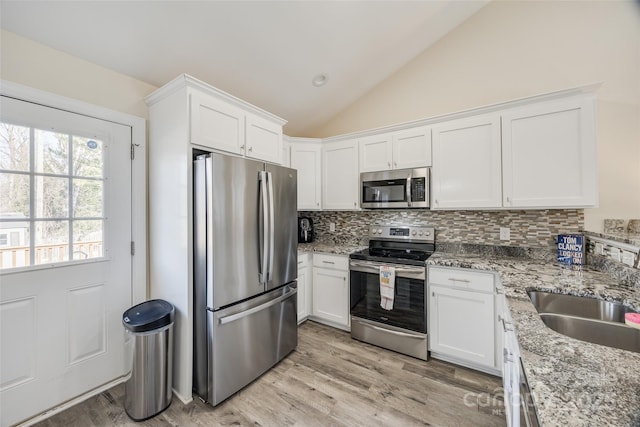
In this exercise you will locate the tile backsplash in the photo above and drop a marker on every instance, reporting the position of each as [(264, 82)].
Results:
[(529, 228)]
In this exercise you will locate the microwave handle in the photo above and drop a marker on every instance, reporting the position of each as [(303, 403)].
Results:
[(408, 190)]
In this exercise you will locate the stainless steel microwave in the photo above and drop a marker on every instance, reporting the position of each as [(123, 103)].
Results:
[(394, 189)]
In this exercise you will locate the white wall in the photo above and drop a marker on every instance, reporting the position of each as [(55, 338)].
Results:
[(38, 66), (514, 49)]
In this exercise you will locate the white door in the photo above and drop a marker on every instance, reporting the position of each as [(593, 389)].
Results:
[(65, 233), (331, 295), (466, 170), (307, 160), (340, 177), (412, 148), (375, 153)]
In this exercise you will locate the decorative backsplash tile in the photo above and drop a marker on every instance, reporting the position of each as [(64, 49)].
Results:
[(614, 226), (529, 229)]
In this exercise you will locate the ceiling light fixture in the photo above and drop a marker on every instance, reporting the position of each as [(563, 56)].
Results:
[(320, 80)]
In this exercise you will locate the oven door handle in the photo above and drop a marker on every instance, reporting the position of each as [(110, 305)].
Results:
[(374, 268)]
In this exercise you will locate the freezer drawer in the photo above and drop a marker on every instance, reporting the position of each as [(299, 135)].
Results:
[(247, 339)]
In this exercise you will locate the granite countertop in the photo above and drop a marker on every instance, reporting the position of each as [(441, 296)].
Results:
[(573, 382), (329, 247)]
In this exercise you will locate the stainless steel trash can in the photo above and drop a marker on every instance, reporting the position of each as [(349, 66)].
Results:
[(148, 391)]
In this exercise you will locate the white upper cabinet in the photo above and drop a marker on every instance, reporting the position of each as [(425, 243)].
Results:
[(412, 148), (409, 148), (376, 153), (466, 170), (222, 122), (216, 124), (263, 139), (306, 158), (549, 154), (340, 177)]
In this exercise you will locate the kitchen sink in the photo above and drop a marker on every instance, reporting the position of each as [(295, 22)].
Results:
[(587, 319)]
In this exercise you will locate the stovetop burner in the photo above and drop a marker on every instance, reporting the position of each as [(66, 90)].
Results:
[(398, 244)]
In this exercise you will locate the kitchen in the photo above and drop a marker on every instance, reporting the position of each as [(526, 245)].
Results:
[(616, 117)]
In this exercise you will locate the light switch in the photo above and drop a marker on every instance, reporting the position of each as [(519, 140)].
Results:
[(505, 233)]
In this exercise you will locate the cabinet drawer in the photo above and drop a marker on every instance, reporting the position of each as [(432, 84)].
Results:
[(459, 278), (303, 259), (337, 262)]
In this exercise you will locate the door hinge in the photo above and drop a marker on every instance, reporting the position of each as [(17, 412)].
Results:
[(133, 248), (133, 152)]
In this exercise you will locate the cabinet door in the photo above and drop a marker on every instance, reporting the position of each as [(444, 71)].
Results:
[(331, 295), (340, 177), (376, 153), (286, 154), (307, 159), (303, 290), (549, 155), (412, 148), (215, 124), (466, 170), (263, 140), (461, 325)]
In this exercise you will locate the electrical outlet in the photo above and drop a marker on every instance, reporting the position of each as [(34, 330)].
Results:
[(332, 226), (599, 248), (505, 233), (614, 254), (628, 258)]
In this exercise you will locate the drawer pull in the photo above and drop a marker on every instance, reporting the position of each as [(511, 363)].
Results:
[(453, 279), (499, 290), (327, 262)]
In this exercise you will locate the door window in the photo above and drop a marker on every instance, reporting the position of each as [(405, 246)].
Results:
[(54, 186)]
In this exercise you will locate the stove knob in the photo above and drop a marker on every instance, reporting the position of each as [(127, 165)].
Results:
[(420, 233), (379, 231), (413, 233)]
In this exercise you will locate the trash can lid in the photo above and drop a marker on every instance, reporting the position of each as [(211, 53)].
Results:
[(149, 315)]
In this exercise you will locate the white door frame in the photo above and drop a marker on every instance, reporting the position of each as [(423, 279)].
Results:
[(139, 262), (138, 168)]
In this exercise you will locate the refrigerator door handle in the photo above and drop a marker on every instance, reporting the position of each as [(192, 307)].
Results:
[(264, 244), (208, 184), (236, 316), (272, 226)]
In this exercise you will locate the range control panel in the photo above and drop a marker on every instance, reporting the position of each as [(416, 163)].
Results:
[(402, 232)]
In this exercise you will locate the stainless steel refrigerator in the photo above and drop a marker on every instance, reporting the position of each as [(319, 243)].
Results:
[(245, 266)]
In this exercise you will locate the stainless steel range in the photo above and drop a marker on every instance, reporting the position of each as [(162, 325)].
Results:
[(388, 289)]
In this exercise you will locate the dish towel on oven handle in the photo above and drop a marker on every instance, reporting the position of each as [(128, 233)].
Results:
[(387, 286)]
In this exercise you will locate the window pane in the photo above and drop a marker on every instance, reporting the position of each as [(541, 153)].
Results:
[(87, 157), (14, 201), (87, 239), (51, 152), (51, 197), (15, 253), (87, 198), (14, 147), (52, 241)]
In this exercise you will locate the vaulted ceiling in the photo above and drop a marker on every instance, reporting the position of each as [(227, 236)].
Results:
[(266, 52)]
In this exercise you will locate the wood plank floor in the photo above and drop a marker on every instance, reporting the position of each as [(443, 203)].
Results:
[(329, 380)]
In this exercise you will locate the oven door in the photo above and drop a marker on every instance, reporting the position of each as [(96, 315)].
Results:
[(409, 303)]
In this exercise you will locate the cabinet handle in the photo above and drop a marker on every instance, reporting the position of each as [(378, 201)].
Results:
[(506, 354), (395, 164), (355, 204), (388, 164), (508, 199), (437, 201), (317, 203), (499, 290), (453, 279), (328, 262), (242, 147), (250, 149)]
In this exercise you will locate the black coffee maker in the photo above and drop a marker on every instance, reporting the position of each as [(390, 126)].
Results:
[(305, 229)]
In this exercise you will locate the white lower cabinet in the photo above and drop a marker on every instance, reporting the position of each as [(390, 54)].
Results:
[(462, 317), (331, 290), (304, 286)]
